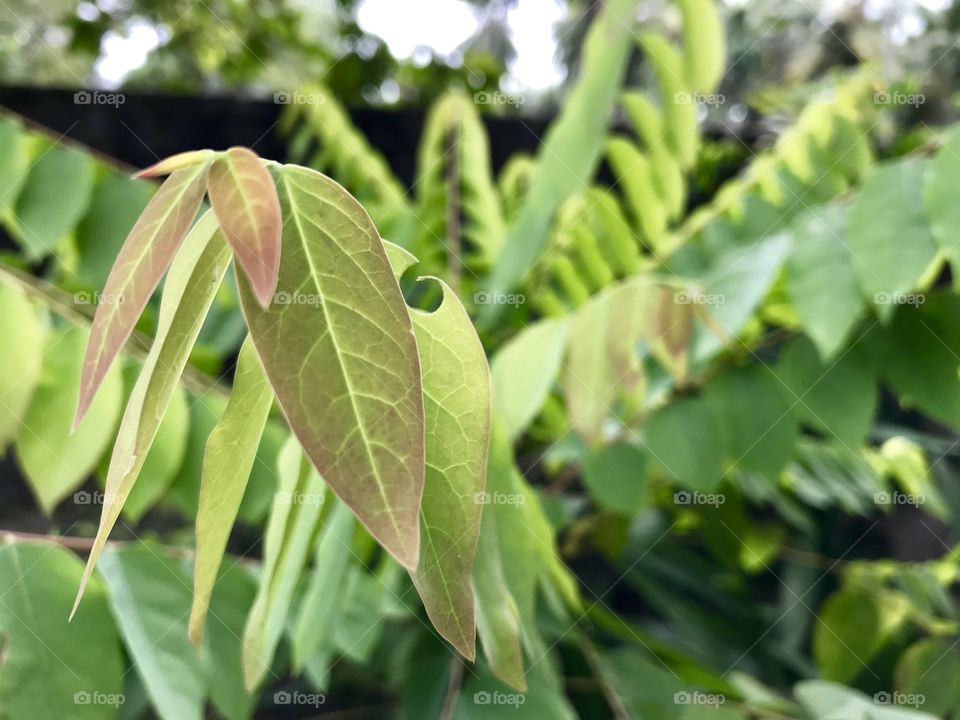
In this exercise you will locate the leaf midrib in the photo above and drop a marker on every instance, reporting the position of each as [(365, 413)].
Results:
[(346, 377)]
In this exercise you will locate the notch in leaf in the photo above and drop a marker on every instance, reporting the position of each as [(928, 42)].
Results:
[(245, 201)]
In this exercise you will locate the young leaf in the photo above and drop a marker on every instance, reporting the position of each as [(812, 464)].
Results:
[(191, 285), (245, 200), (456, 391), (145, 256), (227, 462), (342, 358), (290, 532), (55, 460), (177, 162)]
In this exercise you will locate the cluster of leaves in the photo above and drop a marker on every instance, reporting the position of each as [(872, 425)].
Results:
[(700, 390)]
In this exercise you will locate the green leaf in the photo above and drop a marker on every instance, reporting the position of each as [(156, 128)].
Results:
[(616, 477), (14, 164), (821, 281), (498, 617), (318, 613), (55, 461), (163, 459), (686, 440), (289, 537), (144, 257), (839, 398), (245, 200), (149, 597), (572, 147), (831, 701), (704, 44), (342, 358), (847, 635), (53, 198), (191, 285), (456, 399), (19, 371), (51, 668), (889, 240), (230, 453), (116, 204), (929, 668), (524, 370), (755, 416)]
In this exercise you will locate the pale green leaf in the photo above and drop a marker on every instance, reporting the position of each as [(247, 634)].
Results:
[(20, 327), (55, 461), (229, 457), (176, 162), (190, 287), (342, 358)]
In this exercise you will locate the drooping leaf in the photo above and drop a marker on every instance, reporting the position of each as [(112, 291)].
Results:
[(144, 257), (498, 617), (245, 200), (890, 242), (456, 391), (821, 281), (51, 668), (191, 285), (318, 613), (149, 595), (289, 536), (524, 370), (571, 149), (230, 453), (55, 461), (342, 358), (53, 198), (171, 164), (19, 371)]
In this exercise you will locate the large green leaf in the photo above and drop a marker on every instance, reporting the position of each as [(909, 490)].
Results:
[(289, 536), (890, 242), (929, 669), (820, 277), (524, 370), (19, 371), (244, 198), (940, 203), (230, 453), (53, 198), (51, 668), (342, 358), (191, 285), (55, 460), (456, 399), (571, 148), (144, 257), (847, 634), (149, 596)]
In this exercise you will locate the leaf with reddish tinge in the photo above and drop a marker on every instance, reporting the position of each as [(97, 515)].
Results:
[(230, 453), (145, 256), (245, 200), (191, 285), (341, 356), (176, 162)]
